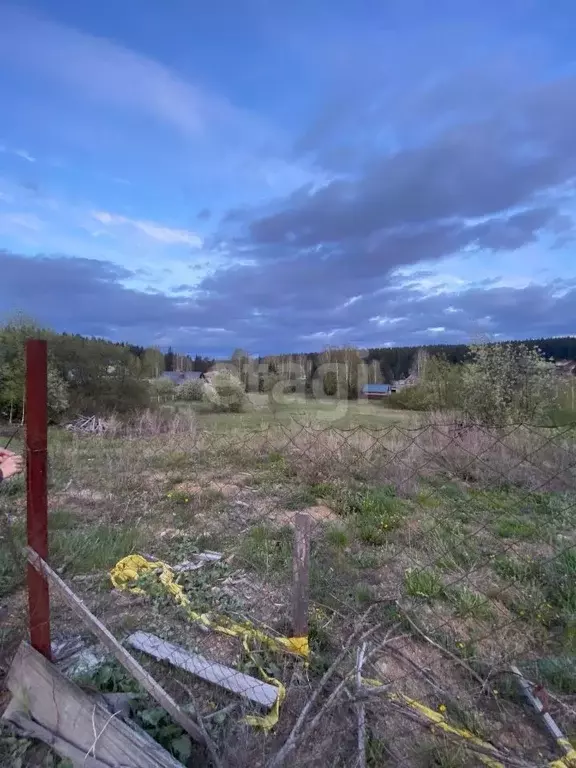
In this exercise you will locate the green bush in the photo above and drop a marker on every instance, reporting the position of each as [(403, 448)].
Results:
[(507, 384), (191, 391), (226, 393)]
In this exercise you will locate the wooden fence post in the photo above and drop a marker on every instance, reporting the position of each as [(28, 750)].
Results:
[(301, 574)]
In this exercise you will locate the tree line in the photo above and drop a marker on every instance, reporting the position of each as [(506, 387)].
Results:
[(88, 375)]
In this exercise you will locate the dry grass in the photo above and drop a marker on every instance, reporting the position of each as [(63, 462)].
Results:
[(468, 531)]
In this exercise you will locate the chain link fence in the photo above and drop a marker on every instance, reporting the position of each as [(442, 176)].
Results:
[(441, 577)]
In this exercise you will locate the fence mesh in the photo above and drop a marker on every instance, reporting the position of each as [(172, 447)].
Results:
[(441, 555)]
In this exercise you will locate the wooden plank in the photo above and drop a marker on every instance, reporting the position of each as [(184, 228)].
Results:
[(109, 641), (73, 722), (226, 677), (13, 714), (301, 570)]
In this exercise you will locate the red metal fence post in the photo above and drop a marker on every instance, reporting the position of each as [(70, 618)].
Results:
[(36, 491)]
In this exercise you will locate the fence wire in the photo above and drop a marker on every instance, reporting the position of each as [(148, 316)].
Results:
[(441, 556)]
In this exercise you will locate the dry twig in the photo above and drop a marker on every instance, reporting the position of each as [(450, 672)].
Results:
[(361, 653), (210, 746)]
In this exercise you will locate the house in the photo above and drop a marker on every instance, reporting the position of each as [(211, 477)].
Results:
[(179, 377), (376, 391)]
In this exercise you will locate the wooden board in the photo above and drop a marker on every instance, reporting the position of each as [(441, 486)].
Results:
[(74, 723), (109, 641), (226, 677)]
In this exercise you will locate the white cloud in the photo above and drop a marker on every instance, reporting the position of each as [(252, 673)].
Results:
[(106, 72), (151, 229), (24, 155), (18, 221), (231, 144)]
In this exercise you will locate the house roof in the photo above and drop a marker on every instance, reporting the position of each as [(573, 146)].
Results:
[(375, 389)]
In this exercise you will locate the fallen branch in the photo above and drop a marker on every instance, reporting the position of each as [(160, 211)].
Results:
[(292, 740)]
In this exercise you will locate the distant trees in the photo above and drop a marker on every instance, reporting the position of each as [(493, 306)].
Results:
[(85, 376)]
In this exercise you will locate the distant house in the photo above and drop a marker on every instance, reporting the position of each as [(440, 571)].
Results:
[(179, 377), (376, 391)]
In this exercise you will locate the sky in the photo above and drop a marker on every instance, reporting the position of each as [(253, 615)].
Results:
[(285, 176)]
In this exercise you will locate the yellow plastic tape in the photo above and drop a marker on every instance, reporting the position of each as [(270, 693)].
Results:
[(438, 719), (131, 568), (568, 761)]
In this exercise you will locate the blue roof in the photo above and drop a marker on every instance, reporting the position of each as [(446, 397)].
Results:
[(375, 388)]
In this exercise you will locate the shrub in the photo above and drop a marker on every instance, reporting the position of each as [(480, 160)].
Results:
[(162, 390), (226, 393), (191, 391), (507, 384)]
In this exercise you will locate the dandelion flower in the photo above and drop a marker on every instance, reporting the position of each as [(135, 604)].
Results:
[(442, 708)]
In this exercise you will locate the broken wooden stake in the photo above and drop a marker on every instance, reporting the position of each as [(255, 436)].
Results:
[(226, 677), (48, 706), (121, 654), (301, 569)]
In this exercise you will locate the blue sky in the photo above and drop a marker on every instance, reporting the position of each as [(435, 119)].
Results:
[(284, 176)]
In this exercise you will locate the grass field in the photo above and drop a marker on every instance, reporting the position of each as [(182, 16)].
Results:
[(261, 411), (460, 542)]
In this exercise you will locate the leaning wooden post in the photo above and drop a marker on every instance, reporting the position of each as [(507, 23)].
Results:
[(36, 405), (301, 573)]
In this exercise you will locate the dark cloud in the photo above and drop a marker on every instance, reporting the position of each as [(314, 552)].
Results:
[(472, 169), (89, 297), (204, 214)]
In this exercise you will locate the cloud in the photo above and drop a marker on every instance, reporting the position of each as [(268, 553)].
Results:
[(18, 221), (90, 296), (21, 153), (153, 230), (24, 155)]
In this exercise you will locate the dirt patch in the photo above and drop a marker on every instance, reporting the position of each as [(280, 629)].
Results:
[(319, 513), (228, 490)]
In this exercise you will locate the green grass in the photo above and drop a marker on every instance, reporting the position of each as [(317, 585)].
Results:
[(469, 604), (423, 583), (260, 413), (337, 536), (513, 528), (97, 548), (267, 549), (376, 513)]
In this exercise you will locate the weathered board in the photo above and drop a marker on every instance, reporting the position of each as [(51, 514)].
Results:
[(73, 722), (226, 677)]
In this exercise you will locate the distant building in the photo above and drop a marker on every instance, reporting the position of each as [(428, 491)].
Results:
[(179, 377), (376, 391)]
